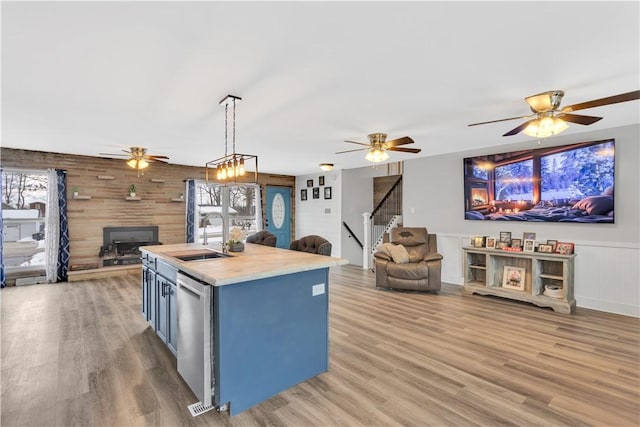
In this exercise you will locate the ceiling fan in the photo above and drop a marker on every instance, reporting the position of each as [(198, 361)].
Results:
[(548, 119), (138, 158), (378, 147)]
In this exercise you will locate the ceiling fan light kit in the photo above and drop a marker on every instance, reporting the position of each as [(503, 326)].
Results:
[(378, 147), (548, 120), (138, 158), (230, 166)]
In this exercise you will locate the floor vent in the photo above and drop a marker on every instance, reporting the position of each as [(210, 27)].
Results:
[(30, 280), (197, 409)]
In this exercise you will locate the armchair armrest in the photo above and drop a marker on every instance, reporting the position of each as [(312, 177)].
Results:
[(433, 257), (382, 255)]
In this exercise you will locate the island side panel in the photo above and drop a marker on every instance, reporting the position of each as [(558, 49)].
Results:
[(270, 334)]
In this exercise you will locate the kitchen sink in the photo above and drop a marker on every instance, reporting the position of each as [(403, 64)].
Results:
[(197, 255)]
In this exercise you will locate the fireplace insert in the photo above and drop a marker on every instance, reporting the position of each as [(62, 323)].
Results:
[(121, 245)]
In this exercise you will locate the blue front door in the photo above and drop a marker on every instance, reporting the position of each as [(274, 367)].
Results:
[(279, 214)]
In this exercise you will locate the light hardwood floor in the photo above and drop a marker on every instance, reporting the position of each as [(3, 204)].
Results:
[(81, 354)]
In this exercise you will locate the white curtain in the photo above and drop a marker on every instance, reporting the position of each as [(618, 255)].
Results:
[(52, 226)]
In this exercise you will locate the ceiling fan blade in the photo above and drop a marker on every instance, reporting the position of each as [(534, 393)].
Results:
[(623, 97), (405, 150), (518, 129), (579, 119), (500, 120), (153, 159), (157, 157), (112, 154), (349, 151), (400, 141), (359, 143)]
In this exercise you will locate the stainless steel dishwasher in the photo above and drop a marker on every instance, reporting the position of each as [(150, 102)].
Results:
[(195, 337)]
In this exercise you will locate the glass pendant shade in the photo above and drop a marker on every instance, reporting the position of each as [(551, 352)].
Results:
[(376, 155), (545, 127)]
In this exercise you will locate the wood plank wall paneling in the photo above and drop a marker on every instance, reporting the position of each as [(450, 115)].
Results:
[(382, 185), (108, 207)]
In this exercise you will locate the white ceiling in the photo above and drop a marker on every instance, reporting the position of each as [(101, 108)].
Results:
[(89, 77)]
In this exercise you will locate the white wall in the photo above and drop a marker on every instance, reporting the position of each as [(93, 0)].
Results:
[(606, 265), (357, 198), (320, 216)]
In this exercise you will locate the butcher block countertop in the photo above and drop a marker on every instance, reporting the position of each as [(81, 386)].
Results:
[(255, 262)]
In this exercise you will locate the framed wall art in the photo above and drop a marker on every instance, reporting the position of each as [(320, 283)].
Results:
[(327, 192), (513, 278), (321, 180), (303, 194), (316, 192)]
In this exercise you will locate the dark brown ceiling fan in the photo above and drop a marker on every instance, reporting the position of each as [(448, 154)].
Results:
[(378, 146), (138, 158), (548, 119)]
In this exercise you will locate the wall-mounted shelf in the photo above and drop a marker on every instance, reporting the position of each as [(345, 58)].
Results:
[(158, 180), (106, 177), (80, 197), (177, 199), (132, 199)]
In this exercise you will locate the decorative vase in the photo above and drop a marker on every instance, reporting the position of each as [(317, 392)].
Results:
[(236, 247), (132, 194)]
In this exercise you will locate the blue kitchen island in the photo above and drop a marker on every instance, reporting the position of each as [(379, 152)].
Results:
[(243, 327)]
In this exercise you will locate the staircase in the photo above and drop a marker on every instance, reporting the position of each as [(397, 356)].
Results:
[(386, 215)]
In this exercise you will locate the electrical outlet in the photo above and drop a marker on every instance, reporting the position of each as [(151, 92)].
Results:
[(317, 289)]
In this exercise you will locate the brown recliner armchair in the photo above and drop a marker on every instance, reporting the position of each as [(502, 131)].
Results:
[(423, 269), (263, 237), (312, 244)]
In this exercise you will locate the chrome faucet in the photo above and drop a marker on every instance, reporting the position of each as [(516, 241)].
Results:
[(225, 230)]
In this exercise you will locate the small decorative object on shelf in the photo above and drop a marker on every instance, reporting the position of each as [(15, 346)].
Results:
[(236, 239), (491, 242), (513, 277), (76, 191), (132, 190), (564, 248)]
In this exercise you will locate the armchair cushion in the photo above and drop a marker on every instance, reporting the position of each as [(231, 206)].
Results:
[(263, 237), (313, 244), (397, 253)]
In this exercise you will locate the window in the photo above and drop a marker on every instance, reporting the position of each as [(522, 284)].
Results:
[(239, 204), (24, 207)]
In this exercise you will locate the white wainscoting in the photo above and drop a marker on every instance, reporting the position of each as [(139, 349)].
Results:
[(607, 274)]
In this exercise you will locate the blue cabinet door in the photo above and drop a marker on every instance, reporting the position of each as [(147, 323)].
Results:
[(151, 298), (172, 300), (162, 315), (279, 214)]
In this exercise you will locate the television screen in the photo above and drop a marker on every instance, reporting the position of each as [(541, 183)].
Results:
[(569, 183)]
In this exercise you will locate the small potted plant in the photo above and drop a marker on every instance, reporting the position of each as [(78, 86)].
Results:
[(76, 191), (236, 240), (132, 190)]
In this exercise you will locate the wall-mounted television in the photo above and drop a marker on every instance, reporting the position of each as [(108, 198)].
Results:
[(569, 183)]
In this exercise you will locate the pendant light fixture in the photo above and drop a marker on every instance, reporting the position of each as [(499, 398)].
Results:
[(231, 167)]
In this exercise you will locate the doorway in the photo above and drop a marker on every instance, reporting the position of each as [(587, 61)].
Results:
[(279, 214)]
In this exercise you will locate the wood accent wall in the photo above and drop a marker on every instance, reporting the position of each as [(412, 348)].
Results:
[(108, 207), (382, 185)]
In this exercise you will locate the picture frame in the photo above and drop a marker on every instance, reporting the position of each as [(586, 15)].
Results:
[(514, 277), (303, 194), (529, 245), (478, 241), (552, 243), (564, 248), (501, 245), (327, 193), (309, 183), (527, 235), (491, 242), (316, 192), (545, 248), (516, 243), (505, 236), (321, 180)]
